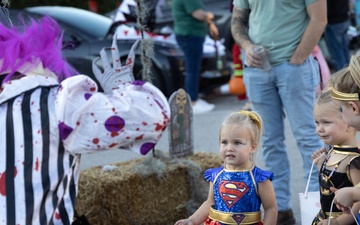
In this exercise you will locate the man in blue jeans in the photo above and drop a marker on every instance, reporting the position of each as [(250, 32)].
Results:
[(289, 30), (336, 32), (191, 24)]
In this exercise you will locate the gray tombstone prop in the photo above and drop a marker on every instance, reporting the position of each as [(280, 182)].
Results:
[(180, 126)]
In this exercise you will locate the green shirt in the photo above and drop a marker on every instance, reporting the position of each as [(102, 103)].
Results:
[(184, 23), (278, 25)]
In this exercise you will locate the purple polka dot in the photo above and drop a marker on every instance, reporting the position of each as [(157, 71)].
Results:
[(146, 147), (114, 123), (64, 130), (87, 96), (138, 82)]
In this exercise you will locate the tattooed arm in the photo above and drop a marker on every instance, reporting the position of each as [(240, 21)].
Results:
[(239, 30), (239, 25)]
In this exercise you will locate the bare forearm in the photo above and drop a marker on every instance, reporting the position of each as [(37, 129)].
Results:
[(239, 27), (308, 42), (203, 15), (313, 32), (201, 213), (270, 215)]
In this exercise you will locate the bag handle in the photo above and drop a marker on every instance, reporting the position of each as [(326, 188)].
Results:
[(308, 181)]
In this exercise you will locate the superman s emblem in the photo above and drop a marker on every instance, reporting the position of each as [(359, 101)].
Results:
[(231, 191)]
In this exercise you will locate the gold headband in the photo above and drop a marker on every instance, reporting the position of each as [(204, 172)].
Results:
[(252, 116), (337, 95)]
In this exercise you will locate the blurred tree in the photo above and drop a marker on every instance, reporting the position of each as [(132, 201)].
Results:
[(104, 7)]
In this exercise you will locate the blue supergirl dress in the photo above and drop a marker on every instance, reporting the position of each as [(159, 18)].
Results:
[(236, 195)]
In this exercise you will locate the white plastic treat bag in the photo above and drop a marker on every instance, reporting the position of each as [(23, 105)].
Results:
[(309, 203)]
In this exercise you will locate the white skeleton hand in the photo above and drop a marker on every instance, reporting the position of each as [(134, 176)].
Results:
[(117, 74)]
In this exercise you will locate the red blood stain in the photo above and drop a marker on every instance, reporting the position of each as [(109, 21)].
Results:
[(77, 123), (95, 140), (139, 137), (57, 216), (145, 123), (129, 61), (113, 109), (37, 164), (114, 134), (92, 114), (112, 145), (159, 127), (137, 128), (2, 182)]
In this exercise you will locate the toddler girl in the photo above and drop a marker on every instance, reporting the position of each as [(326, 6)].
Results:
[(239, 188), (345, 92), (336, 166)]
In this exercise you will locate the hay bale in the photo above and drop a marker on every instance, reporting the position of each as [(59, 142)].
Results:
[(150, 190)]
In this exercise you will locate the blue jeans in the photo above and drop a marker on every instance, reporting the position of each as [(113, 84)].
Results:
[(338, 43), (286, 90), (192, 46)]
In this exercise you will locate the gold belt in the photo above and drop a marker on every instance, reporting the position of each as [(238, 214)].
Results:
[(333, 214), (232, 218)]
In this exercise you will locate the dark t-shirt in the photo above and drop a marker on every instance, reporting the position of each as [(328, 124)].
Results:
[(337, 11)]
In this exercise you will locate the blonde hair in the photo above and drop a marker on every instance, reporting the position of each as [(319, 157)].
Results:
[(324, 98), (249, 120), (347, 80)]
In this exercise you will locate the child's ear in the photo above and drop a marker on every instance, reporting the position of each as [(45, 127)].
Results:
[(355, 107), (350, 129), (253, 147)]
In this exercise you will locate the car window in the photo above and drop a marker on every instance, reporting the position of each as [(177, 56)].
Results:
[(84, 22)]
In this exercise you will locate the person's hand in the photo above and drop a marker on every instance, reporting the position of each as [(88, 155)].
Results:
[(184, 222), (213, 30), (252, 59), (209, 16), (319, 155), (343, 199), (115, 75), (296, 61)]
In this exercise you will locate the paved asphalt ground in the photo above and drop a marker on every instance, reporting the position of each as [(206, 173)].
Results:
[(206, 133)]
